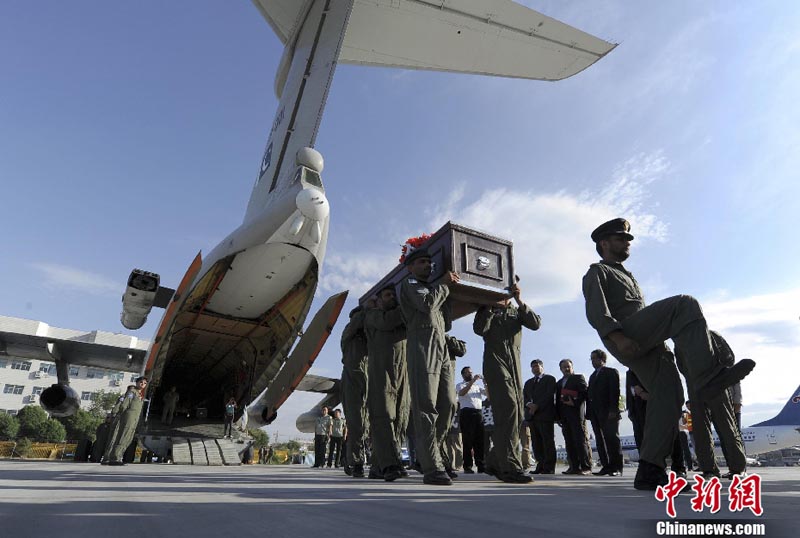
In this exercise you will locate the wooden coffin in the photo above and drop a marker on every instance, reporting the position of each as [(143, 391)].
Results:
[(484, 262)]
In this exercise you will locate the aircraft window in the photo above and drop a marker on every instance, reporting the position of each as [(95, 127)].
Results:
[(297, 176), (312, 178)]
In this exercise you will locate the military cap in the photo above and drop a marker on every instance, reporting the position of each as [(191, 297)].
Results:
[(355, 311), (416, 253), (613, 227)]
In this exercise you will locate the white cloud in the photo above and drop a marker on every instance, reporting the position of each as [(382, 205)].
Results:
[(356, 271), (764, 328), (62, 277), (550, 231)]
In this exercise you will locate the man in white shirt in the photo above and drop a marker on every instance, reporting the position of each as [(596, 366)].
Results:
[(470, 396)]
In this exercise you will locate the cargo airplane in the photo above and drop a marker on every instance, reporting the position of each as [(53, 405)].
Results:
[(229, 327)]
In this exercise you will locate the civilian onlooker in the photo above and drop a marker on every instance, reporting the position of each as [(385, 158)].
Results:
[(571, 410), (539, 395), (470, 396), (603, 412)]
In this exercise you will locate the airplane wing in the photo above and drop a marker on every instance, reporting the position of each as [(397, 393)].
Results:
[(317, 383), (30, 339), (486, 37)]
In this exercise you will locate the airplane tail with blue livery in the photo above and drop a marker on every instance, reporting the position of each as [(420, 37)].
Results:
[(789, 415)]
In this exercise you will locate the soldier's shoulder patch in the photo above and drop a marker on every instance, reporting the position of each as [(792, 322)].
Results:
[(412, 280)]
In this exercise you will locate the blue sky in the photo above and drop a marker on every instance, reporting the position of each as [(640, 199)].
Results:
[(130, 136)]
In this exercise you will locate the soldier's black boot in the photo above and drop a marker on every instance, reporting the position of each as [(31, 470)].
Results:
[(358, 470), (515, 477), (649, 476), (726, 378), (392, 473), (451, 473), (437, 478)]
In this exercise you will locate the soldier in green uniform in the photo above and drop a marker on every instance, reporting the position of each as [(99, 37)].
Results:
[(354, 391), (429, 369), (389, 399), (718, 411), (455, 348), (501, 329), (127, 412), (635, 335), (101, 438)]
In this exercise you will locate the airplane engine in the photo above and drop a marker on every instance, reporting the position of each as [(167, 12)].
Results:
[(60, 400), (140, 295), (307, 421)]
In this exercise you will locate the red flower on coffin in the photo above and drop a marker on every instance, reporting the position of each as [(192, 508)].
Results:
[(413, 243)]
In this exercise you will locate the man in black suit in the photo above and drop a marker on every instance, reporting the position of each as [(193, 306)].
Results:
[(603, 411), (539, 395), (571, 411)]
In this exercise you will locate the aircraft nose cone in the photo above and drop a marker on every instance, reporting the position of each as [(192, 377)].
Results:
[(313, 204)]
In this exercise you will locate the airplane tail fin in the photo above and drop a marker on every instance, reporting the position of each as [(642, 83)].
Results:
[(789, 415)]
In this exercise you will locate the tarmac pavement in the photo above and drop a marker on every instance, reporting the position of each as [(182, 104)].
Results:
[(55, 499)]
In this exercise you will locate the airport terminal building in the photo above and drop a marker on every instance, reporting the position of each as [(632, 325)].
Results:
[(25, 372)]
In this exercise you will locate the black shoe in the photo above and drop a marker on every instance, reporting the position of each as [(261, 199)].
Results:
[(481, 469), (517, 477), (730, 474), (649, 476), (437, 478), (348, 470), (726, 378), (116, 463), (569, 471), (358, 470), (602, 472), (708, 475), (680, 472), (391, 474), (374, 474), (451, 473), (491, 471), (468, 470), (614, 473)]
